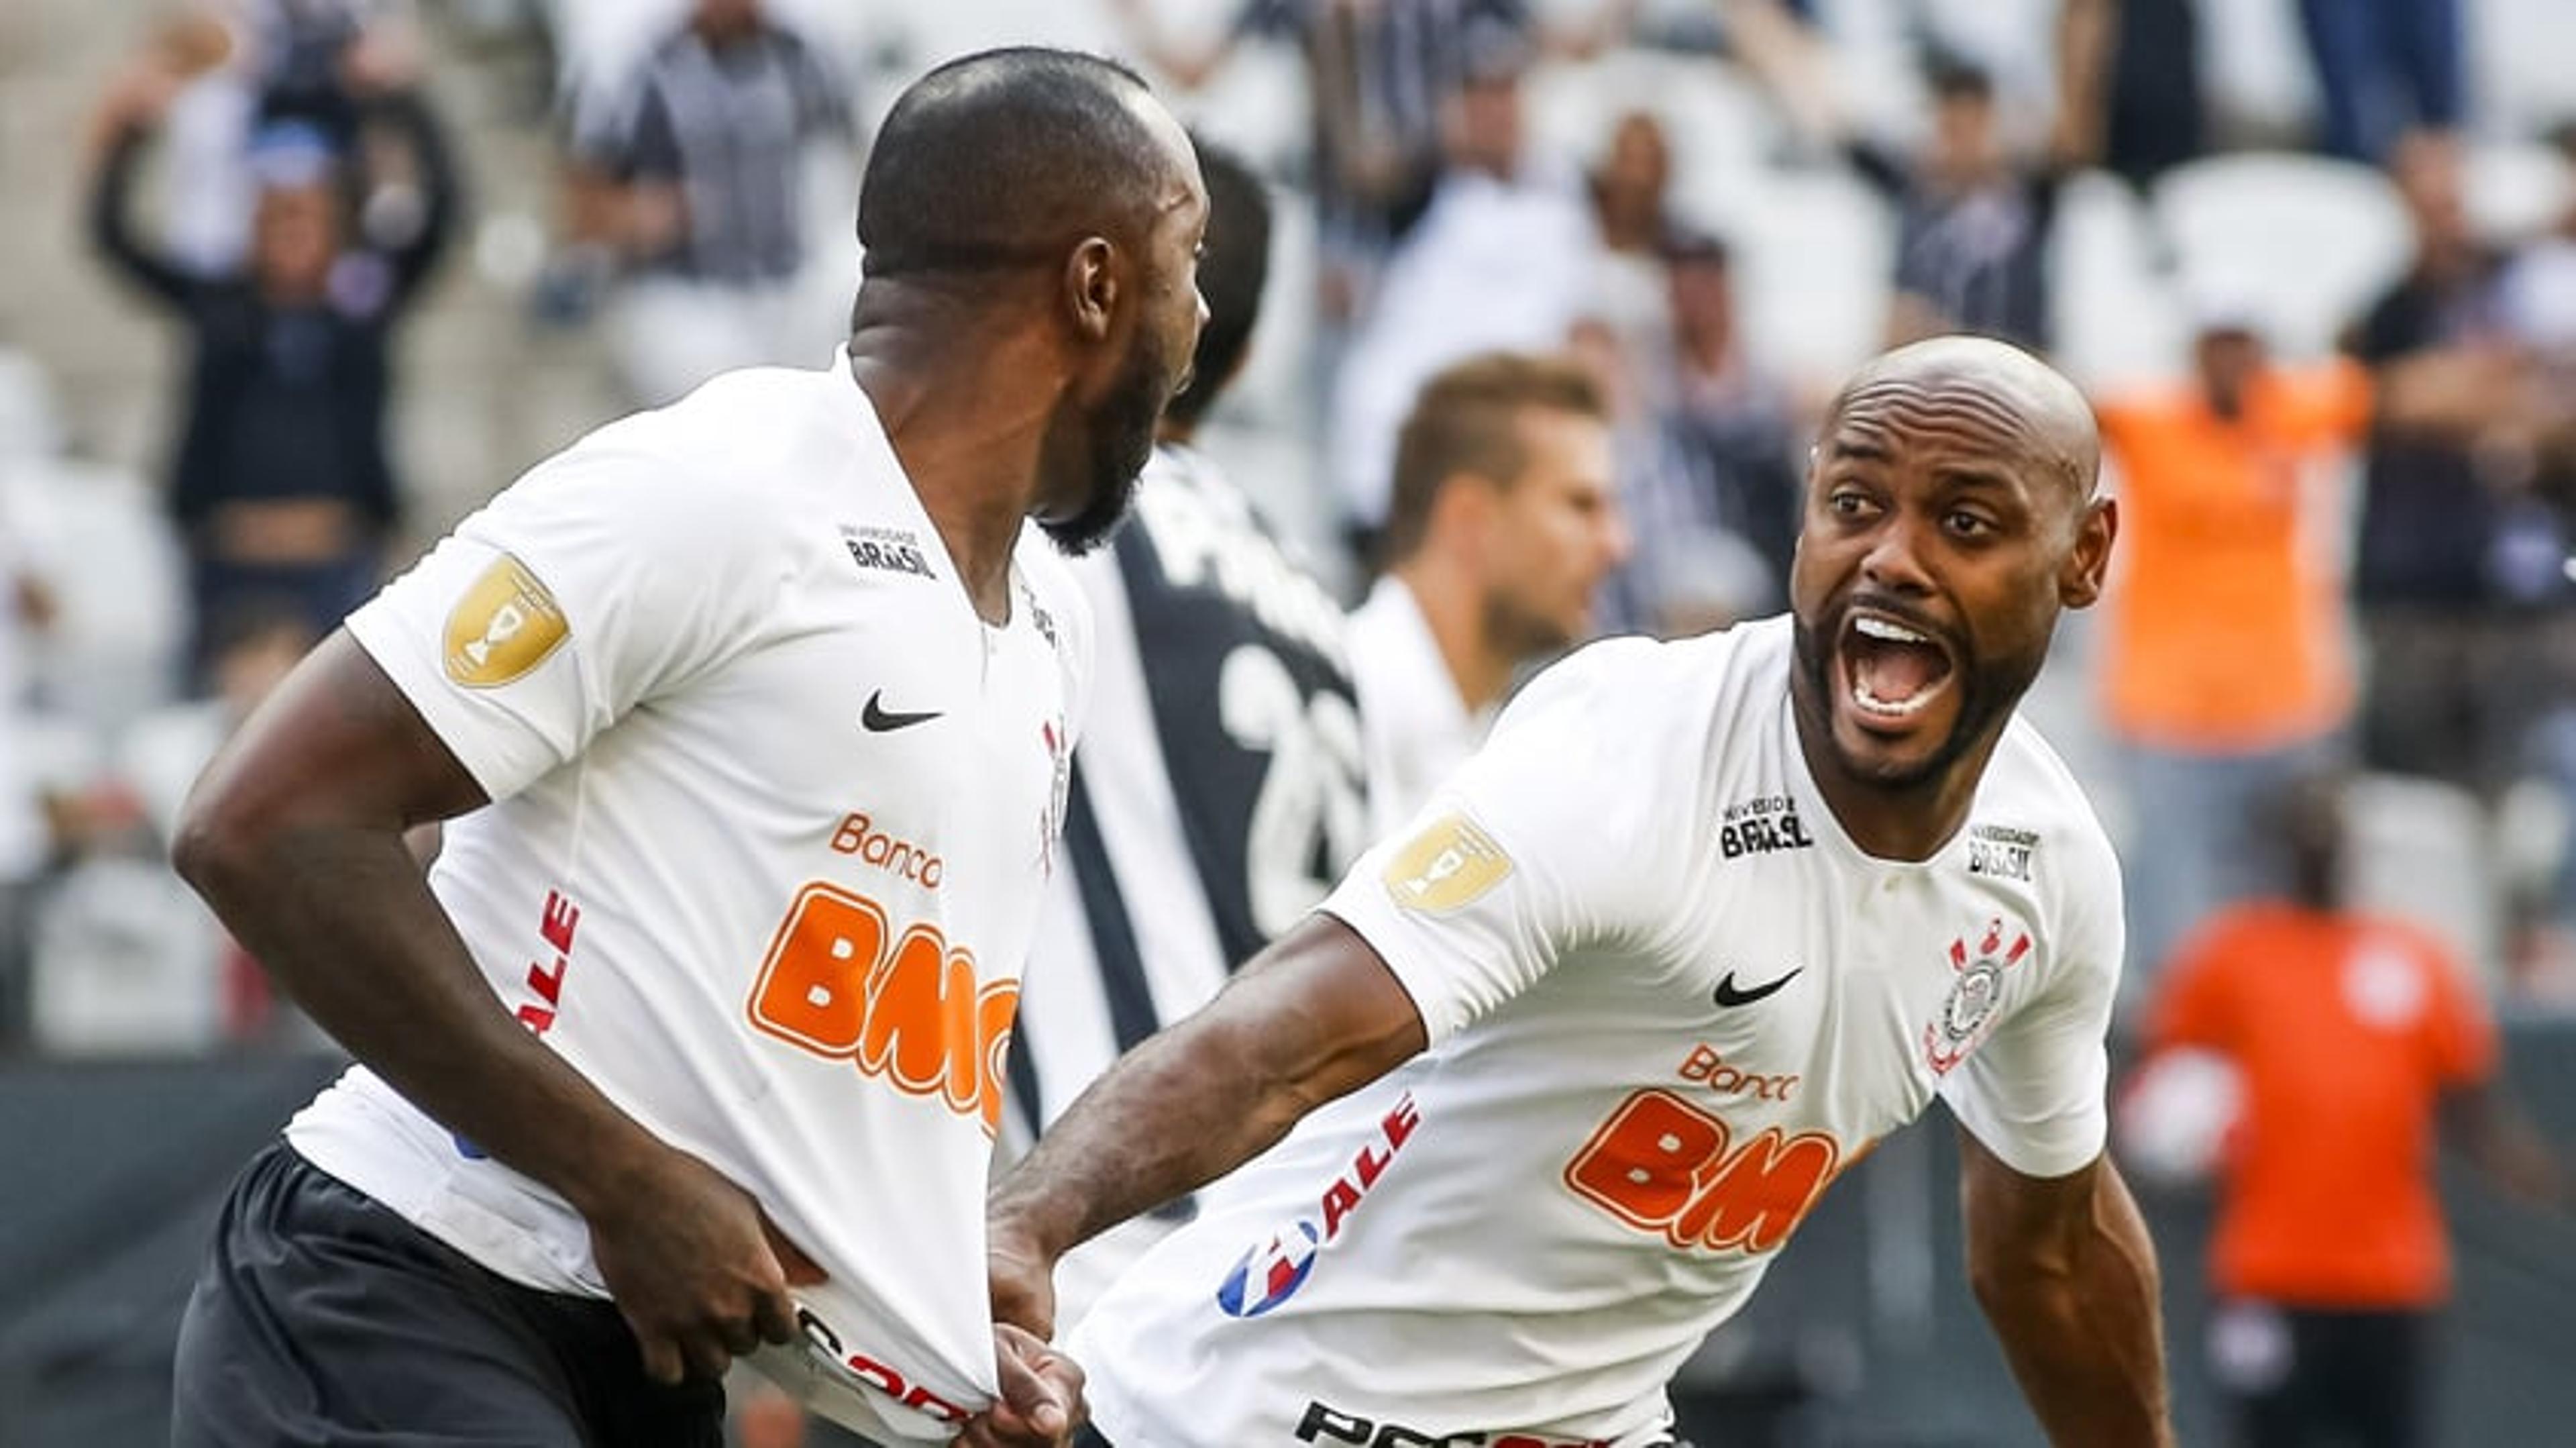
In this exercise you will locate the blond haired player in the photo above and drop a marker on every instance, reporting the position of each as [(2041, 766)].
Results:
[(751, 718), (1699, 924)]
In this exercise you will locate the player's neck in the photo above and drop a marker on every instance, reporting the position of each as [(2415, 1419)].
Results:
[(1455, 614), (970, 454)]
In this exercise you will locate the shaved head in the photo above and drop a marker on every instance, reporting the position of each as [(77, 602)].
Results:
[(2017, 401), (1010, 157)]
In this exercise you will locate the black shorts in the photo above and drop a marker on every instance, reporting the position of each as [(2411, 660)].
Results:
[(2297, 1376), (322, 1317)]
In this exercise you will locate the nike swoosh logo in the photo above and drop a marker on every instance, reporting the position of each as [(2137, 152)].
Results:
[(877, 719), (1728, 995)]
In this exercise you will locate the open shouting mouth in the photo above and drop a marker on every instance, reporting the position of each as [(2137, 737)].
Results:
[(1892, 670)]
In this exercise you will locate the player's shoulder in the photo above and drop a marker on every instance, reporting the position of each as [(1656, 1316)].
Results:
[(2030, 790), (757, 448), (1630, 697)]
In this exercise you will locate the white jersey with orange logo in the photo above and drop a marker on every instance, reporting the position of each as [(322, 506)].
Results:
[(772, 813), (1668, 1002)]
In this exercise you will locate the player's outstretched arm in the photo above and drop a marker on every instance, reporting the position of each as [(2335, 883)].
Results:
[(295, 836), (2066, 1273), (1314, 1017)]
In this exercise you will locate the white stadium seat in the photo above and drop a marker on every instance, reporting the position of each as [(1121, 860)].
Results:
[(2315, 239)]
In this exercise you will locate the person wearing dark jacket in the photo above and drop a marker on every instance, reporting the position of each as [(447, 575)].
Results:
[(282, 484)]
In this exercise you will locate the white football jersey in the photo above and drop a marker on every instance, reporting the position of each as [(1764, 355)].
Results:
[(772, 813), (1669, 1002)]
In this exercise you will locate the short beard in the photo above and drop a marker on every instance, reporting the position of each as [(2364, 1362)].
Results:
[(1986, 696), (1522, 633), (1121, 442)]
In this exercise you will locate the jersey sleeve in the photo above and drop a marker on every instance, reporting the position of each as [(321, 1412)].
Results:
[(2034, 1093), (604, 577), (1555, 835), (2463, 1033)]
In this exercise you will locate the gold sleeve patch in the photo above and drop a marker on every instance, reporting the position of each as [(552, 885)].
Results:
[(504, 626), (1448, 866)]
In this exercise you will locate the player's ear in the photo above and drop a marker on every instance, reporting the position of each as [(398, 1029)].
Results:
[(1093, 286), (2079, 583)]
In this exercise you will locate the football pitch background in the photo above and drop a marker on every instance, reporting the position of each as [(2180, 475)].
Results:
[(1863, 1336)]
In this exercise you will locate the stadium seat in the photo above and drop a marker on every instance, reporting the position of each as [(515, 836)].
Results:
[(2517, 190), (2117, 320), (1717, 121), (2316, 239), (1813, 263), (117, 579), (2420, 850), (2518, 54)]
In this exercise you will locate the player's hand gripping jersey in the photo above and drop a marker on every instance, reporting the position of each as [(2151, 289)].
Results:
[(772, 812), (1668, 1003)]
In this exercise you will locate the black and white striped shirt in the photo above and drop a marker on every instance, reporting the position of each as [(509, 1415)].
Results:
[(727, 126)]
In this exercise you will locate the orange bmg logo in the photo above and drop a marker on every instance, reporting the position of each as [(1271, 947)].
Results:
[(1662, 1165), (839, 982)]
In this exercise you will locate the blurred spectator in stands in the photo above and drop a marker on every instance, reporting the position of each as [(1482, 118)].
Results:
[(26, 831), (2224, 667), (238, 66), (2540, 284), (127, 958), (1505, 257), (1379, 74), (1628, 187), (207, 191), (691, 173), (2538, 308), (2350, 1037), (283, 483), (1505, 522), (2142, 58), (1715, 498), (1974, 223), (2384, 68), (2458, 555)]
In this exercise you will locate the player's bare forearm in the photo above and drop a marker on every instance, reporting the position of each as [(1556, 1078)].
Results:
[(295, 835), (2067, 1275), (1312, 1018)]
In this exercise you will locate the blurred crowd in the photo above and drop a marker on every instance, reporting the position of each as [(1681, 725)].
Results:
[(2336, 370), (2346, 501), (2333, 350)]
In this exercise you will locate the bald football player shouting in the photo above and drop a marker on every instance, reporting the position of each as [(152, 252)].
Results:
[(1562, 1064)]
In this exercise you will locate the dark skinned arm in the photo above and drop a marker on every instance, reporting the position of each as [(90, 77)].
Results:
[(295, 835), (2066, 1274), (1314, 1017)]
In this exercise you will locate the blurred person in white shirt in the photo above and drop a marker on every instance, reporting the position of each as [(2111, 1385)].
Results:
[(1504, 522), (1506, 255)]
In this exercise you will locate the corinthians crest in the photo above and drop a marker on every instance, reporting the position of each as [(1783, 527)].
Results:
[(1970, 1007)]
